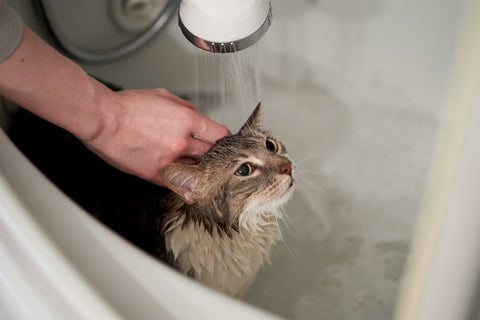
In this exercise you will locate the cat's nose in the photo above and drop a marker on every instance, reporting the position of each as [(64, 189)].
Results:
[(286, 168)]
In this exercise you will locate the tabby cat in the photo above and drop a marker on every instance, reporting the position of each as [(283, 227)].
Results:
[(217, 225)]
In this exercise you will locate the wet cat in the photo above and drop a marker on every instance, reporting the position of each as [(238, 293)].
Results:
[(222, 221), (217, 225)]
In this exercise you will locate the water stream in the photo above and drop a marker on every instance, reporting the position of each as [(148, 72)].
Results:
[(226, 86)]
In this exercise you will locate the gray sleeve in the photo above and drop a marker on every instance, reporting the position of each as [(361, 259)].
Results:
[(11, 30)]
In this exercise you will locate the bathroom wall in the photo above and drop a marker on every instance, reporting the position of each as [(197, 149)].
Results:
[(355, 90), (375, 45)]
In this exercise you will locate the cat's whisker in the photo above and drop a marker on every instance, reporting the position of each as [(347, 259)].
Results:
[(232, 221), (311, 176), (282, 239), (304, 174), (312, 184), (287, 221), (302, 171), (305, 167), (307, 158)]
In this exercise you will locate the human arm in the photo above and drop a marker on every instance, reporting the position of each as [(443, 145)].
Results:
[(137, 131)]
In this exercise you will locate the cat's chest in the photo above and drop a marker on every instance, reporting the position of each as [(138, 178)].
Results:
[(227, 263)]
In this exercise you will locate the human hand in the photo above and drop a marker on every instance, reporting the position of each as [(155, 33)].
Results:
[(136, 131), (143, 130)]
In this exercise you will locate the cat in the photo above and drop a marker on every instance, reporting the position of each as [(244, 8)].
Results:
[(216, 222)]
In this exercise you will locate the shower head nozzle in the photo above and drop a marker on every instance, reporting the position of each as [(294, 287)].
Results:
[(224, 25)]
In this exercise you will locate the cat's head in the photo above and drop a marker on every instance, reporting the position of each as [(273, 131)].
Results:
[(245, 172)]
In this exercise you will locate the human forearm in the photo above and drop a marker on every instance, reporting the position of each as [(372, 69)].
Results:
[(137, 131), (41, 80)]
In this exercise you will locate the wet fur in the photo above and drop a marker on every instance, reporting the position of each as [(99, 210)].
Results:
[(216, 226)]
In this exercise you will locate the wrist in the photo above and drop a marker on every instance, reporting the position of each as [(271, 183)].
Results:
[(95, 115)]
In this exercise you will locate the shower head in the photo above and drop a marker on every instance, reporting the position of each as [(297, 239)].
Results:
[(224, 25)]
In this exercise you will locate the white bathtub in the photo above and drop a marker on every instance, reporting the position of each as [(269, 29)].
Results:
[(59, 263), (356, 92)]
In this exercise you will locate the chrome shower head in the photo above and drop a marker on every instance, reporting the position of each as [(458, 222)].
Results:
[(224, 25)]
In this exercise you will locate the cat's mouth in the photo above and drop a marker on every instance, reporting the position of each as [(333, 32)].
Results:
[(289, 190)]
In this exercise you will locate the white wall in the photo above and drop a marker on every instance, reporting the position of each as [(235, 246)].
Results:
[(370, 47), (373, 47)]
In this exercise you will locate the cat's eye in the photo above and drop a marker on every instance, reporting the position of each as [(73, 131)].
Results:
[(271, 145), (244, 170)]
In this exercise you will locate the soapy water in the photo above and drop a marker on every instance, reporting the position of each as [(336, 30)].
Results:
[(348, 226)]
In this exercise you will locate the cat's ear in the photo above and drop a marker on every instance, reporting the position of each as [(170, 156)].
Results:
[(184, 180), (253, 121)]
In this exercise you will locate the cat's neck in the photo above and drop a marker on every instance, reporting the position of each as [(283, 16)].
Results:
[(215, 215), (222, 258)]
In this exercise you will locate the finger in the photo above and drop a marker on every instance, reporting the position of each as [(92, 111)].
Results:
[(207, 130), (187, 160), (204, 140), (186, 103), (177, 99), (196, 149), (183, 102)]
